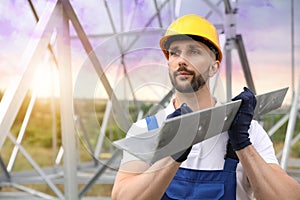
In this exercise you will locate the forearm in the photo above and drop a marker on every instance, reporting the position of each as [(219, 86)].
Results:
[(268, 181), (151, 184)]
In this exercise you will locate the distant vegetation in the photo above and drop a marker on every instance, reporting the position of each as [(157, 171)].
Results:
[(38, 135)]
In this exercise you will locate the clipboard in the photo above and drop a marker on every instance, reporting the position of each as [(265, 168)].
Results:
[(178, 133)]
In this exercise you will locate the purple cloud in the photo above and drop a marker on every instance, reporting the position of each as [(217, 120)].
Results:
[(6, 27)]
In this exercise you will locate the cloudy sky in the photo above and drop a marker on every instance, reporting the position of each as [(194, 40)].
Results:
[(264, 24)]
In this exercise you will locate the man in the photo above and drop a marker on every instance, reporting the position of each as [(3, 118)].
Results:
[(191, 46)]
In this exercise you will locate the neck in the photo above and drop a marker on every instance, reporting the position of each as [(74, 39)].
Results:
[(197, 100)]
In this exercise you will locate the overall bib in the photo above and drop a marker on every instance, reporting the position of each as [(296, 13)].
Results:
[(201, 184)]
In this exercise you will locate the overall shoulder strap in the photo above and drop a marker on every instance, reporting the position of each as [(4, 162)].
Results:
[(151, 122)]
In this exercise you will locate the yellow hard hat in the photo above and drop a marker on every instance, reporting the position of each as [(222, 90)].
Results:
[(196, 27)]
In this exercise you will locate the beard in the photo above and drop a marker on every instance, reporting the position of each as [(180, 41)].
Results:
[(185, 86)]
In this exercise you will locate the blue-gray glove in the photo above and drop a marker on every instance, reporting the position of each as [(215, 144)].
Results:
[(238, 131), (182, 155)]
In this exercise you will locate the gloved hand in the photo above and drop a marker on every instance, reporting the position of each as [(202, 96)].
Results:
[(238, 131), (182, 155)]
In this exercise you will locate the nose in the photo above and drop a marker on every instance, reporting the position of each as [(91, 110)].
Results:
[(178, 61), (181, 61)]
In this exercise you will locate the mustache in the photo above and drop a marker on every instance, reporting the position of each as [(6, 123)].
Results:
[(183, 69)]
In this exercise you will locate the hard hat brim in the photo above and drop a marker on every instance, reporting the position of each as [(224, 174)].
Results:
[(168, 39)]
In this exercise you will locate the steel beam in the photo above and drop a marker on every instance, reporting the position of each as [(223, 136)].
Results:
[(32, 192), (36, 167), (290, 129), (148, 23), (13, 97), (121, 117), (214, 8), (228, 61), (66, 102), (99, 172), (278, 125), (102, 129), (21, 132), (293, 141), (245, 64), (4, 170)]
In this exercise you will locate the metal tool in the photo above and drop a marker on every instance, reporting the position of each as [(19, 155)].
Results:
[(178, 133)]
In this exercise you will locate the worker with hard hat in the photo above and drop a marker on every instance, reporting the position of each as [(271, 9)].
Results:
[(237, 164)]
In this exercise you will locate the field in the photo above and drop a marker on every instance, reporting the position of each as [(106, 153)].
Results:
[(44, 124)]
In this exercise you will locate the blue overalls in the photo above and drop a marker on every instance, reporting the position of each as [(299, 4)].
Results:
[(201, 184)]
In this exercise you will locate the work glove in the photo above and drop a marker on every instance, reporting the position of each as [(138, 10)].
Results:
[(238, 131), (230, 153), (182, 155)]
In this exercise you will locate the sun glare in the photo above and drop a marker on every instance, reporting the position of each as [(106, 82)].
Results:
[(45, 82)]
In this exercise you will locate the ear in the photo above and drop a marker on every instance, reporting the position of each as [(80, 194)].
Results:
[(214, 68)]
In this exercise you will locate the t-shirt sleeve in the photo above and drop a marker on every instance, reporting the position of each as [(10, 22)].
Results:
[(262, 142)]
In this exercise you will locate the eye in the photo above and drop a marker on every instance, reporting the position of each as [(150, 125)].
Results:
[(195, 52), (174, 52)]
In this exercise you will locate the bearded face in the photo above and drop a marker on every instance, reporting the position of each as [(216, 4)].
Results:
[(187, 81), (189, 65)]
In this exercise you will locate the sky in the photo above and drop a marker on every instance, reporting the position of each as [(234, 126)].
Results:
[(265, 26)]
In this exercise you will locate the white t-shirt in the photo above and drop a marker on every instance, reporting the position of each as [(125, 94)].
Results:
[(209, 154)]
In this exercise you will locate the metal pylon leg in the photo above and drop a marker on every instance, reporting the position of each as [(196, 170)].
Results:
[(66, 109), (290, 129)]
